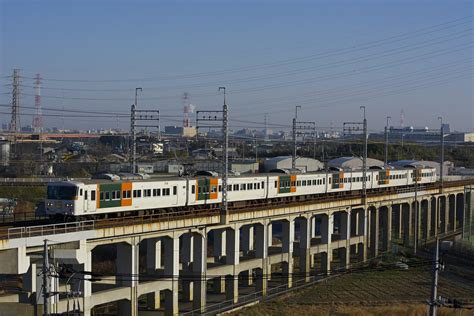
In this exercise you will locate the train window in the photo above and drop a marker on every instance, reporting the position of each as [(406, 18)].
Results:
[(249, 186), (324, 180), (80, 192), (101, 196), (92, 195), (213, 189), (236, 187), (242, 187), (166, 191), (175, 190), (220, 187), (193, 189), (114, 195), (298, 183), (229, 187), (85, 195), (276, 184), (263, 185), (258, 186), (107, 196), (158, 192), (118, 194)]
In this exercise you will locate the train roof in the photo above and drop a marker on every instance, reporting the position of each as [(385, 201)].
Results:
[(165, 177)]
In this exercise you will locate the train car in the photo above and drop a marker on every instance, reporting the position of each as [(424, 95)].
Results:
[(205, 190), (100, 196), (286, 185), (96, 197)]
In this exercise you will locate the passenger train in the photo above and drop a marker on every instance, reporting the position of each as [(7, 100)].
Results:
[(117, 196)]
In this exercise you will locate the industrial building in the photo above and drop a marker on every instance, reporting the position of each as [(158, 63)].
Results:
[(284, 162), (354, 163)]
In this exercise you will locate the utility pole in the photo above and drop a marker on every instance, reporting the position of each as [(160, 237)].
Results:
[(293, 160), (415, 242), (255, 146), (386, 140), (364, 162), (350, 127), (133, 145), (219, 116), (266, 127), (140, 115), (225, 131), (441, 166), (46, 285), (434, 284)]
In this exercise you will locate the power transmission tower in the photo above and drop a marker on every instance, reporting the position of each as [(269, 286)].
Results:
[(219, 116), (140, 115), (15, 119)]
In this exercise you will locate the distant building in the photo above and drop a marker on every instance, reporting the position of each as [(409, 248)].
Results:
[(460, 138), (173, 130)]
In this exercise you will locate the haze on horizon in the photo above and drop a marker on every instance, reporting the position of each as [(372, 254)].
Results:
[(330, 57)]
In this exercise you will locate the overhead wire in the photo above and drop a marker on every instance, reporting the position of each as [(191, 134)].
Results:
[(415, 33)]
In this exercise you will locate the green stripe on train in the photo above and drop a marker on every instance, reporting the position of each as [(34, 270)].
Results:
[(103, 188)]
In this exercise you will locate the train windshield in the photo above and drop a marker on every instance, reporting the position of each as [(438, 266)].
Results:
[(62, 192)]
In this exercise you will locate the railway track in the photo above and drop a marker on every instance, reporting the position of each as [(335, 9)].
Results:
[(47, 226)]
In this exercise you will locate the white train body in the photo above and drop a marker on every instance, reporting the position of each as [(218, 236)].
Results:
[(91, 197)]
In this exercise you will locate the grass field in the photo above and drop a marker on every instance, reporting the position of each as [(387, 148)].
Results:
[(390, 292)]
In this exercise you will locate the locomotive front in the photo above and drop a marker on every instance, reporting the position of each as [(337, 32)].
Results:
[(61, 198)]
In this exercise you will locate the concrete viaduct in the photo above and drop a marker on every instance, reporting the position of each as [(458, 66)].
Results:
[(184, 264)]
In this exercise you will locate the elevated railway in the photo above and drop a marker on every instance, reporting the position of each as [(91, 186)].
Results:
[(180, 254)]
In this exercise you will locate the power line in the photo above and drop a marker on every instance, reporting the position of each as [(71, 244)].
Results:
[(411, 34)]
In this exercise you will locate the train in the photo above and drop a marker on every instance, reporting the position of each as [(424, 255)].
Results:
[(114, 195)]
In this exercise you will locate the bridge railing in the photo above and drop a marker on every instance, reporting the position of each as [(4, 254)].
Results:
[(29, 180), (62, 228)]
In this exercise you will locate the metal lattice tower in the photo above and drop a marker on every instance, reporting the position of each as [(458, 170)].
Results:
[(15, 119), (38, 118)]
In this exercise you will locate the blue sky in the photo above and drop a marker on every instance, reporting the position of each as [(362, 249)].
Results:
[(328, 56)]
